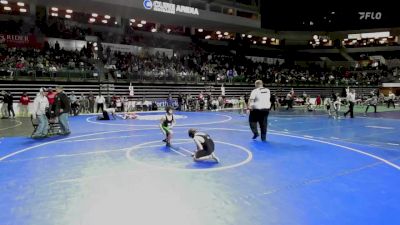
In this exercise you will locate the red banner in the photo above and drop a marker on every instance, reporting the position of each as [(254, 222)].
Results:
[(20, 41)]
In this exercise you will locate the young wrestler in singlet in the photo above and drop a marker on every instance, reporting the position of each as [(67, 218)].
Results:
[(166, 125), (204, 144)]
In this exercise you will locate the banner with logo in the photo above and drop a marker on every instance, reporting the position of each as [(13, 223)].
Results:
[(20, 41), (170, 8)]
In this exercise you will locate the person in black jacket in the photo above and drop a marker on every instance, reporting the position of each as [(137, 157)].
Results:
[(63, 107), (9, 99), (273, 101), (180, 101)]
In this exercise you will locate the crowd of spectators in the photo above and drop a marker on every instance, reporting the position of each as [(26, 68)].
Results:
[(200, 65), (211, 67), (48, 59)]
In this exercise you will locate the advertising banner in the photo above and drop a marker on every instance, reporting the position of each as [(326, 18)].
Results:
[(20, 41)]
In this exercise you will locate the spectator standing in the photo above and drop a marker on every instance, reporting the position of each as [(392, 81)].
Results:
[(118, 104), (242, 105), (337, 102), (84, 104), (100, 100), (214, 104), (318, 101), (222, 90), (57, 46), (259, 106), (180, 101), (125, 104), (91, 99), (220, 102), (273, 101), (10, 103), (304, 97), (201, 101), (62, 110), (185, 102), (40, 105), (4, 107), (289, 99), (51, 96), (201, 95), (24, 103), (391, 98), (169, 100), (373, 101), (208, 98), (229, 75), (74, 104)]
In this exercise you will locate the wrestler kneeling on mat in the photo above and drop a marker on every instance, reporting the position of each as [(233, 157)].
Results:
[(106, 114), (205, 146), (167, 122)]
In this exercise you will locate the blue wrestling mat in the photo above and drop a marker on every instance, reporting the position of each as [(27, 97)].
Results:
[(313, 170)]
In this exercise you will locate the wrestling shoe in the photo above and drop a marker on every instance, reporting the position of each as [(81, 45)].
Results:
[(213, 156)]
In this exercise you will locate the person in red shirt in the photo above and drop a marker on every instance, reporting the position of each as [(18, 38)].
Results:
[(318, 101), (24, 101), (51, 96), (20, 65)]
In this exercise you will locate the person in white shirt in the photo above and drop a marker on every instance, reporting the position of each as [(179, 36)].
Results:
[(391, 98), (100, 100), (40, 105), (309, 106), (125, 104), (259, 105), (328, 103), (337, 102), (351, 98), (214, 104)]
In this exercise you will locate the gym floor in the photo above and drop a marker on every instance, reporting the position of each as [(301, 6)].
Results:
[(313, 170)]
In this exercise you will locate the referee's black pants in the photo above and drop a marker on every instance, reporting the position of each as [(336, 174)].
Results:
[(100, 106), (351, 108), (259, 116), (390, 102)]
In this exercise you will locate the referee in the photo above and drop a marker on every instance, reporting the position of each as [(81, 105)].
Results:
[(259, 105), (351, 98)]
